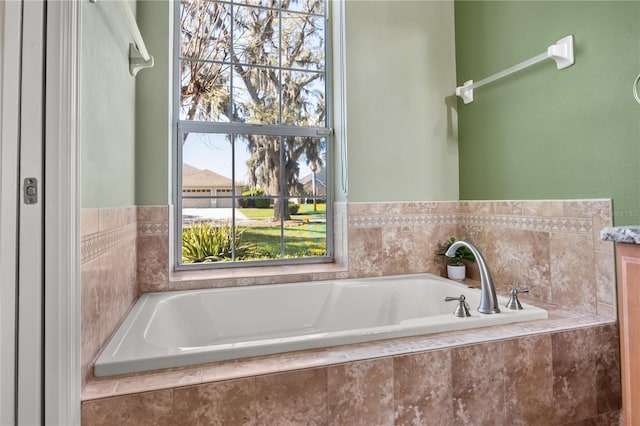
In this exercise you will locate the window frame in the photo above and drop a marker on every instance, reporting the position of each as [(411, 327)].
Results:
[(178, 127)]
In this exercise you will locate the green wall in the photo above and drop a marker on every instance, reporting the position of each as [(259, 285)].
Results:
[(401, 131), (544, 133), (153, 106), (107, 108), (401, 135)]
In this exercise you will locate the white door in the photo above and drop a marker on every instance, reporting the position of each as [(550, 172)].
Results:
[(31, 195), (9, 145), (21, 220), (39, 275)]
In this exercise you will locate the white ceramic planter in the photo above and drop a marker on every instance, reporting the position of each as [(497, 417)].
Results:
[(458, 272)]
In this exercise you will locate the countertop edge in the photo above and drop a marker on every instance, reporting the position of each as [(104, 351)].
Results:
[(621, 234)]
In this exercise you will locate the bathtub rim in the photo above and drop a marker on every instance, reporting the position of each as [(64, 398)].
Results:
[(195, 357)]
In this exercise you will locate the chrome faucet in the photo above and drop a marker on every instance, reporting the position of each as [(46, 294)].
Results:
[(488, 299)]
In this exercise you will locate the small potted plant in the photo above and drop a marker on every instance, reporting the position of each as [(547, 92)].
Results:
[(456, 268)]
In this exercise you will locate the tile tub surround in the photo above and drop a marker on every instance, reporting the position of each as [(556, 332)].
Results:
[(552, 247), (108, 276), (549, 378)]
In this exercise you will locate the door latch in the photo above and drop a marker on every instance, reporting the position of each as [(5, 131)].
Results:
[(30, 190)]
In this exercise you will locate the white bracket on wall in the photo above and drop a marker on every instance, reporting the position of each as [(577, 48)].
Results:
[(139, 57), (561, 53), (137, 61)]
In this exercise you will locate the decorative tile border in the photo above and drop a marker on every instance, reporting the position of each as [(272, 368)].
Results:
[(530, 223), (533, 223), (150, 228), (99, 243), (423, 219)]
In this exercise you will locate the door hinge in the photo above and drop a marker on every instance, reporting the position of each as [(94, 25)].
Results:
[(30, 190)]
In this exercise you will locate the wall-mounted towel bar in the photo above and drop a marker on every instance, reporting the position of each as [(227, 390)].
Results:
[(139, 57), (561, 53)]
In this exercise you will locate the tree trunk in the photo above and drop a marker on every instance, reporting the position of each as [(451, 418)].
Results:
[(280, 208)]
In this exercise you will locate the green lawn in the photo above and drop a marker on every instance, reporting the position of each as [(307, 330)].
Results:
[(299, 241), (305, 212), (208, 242)]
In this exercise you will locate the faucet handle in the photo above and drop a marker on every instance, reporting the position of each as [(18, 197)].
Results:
[(462, 310), (513, 302)]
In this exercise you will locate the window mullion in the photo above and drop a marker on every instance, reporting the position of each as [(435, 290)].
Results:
[(231, 63), (251, 129), (233, 197), (283, 187), (280, 66)]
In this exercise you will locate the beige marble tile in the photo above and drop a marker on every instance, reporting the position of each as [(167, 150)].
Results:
[(476, 207), (116, 292), (131, 215), (606, 310), (365, 252), (399, 248), (153, 266), (111, 218), (436, 207), (90, 314), (109, 280), (158, 380), (516, 257), (423, 392), (605, 276), (311, 359), (292, 398), (540, 208), (431, 239), (149, 408), (478, 371), (180, 285), (241, 368), (528, 380), (509, 207), (574, 375), (223, 403), (544, 208), (361, 393), (608, 384), (99, 388), (89, 221), (573, 271), (587, 208), (600, 222), (376, 209), (153, 214)]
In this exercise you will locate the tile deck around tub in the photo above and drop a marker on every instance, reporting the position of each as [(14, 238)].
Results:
[(559, 320)]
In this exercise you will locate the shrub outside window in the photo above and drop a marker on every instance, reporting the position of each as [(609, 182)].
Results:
[(253, 141)]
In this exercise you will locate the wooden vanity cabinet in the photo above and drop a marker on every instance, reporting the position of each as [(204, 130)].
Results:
[(628, 259)]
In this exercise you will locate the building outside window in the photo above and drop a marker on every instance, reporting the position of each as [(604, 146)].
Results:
[(253, 137)]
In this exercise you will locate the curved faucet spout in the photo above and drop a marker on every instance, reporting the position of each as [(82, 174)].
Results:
[(488, 298)]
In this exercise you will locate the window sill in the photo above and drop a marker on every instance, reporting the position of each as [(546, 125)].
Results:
[(206, 278)]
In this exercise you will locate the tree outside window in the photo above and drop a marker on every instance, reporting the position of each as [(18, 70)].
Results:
[(252, 115)]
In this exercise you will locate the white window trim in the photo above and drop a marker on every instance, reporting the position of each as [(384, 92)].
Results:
[(179, 126)]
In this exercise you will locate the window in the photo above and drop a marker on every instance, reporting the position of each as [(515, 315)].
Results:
[(253, 140)]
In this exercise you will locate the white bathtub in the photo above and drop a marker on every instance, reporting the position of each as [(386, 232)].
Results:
[(174, 329)]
